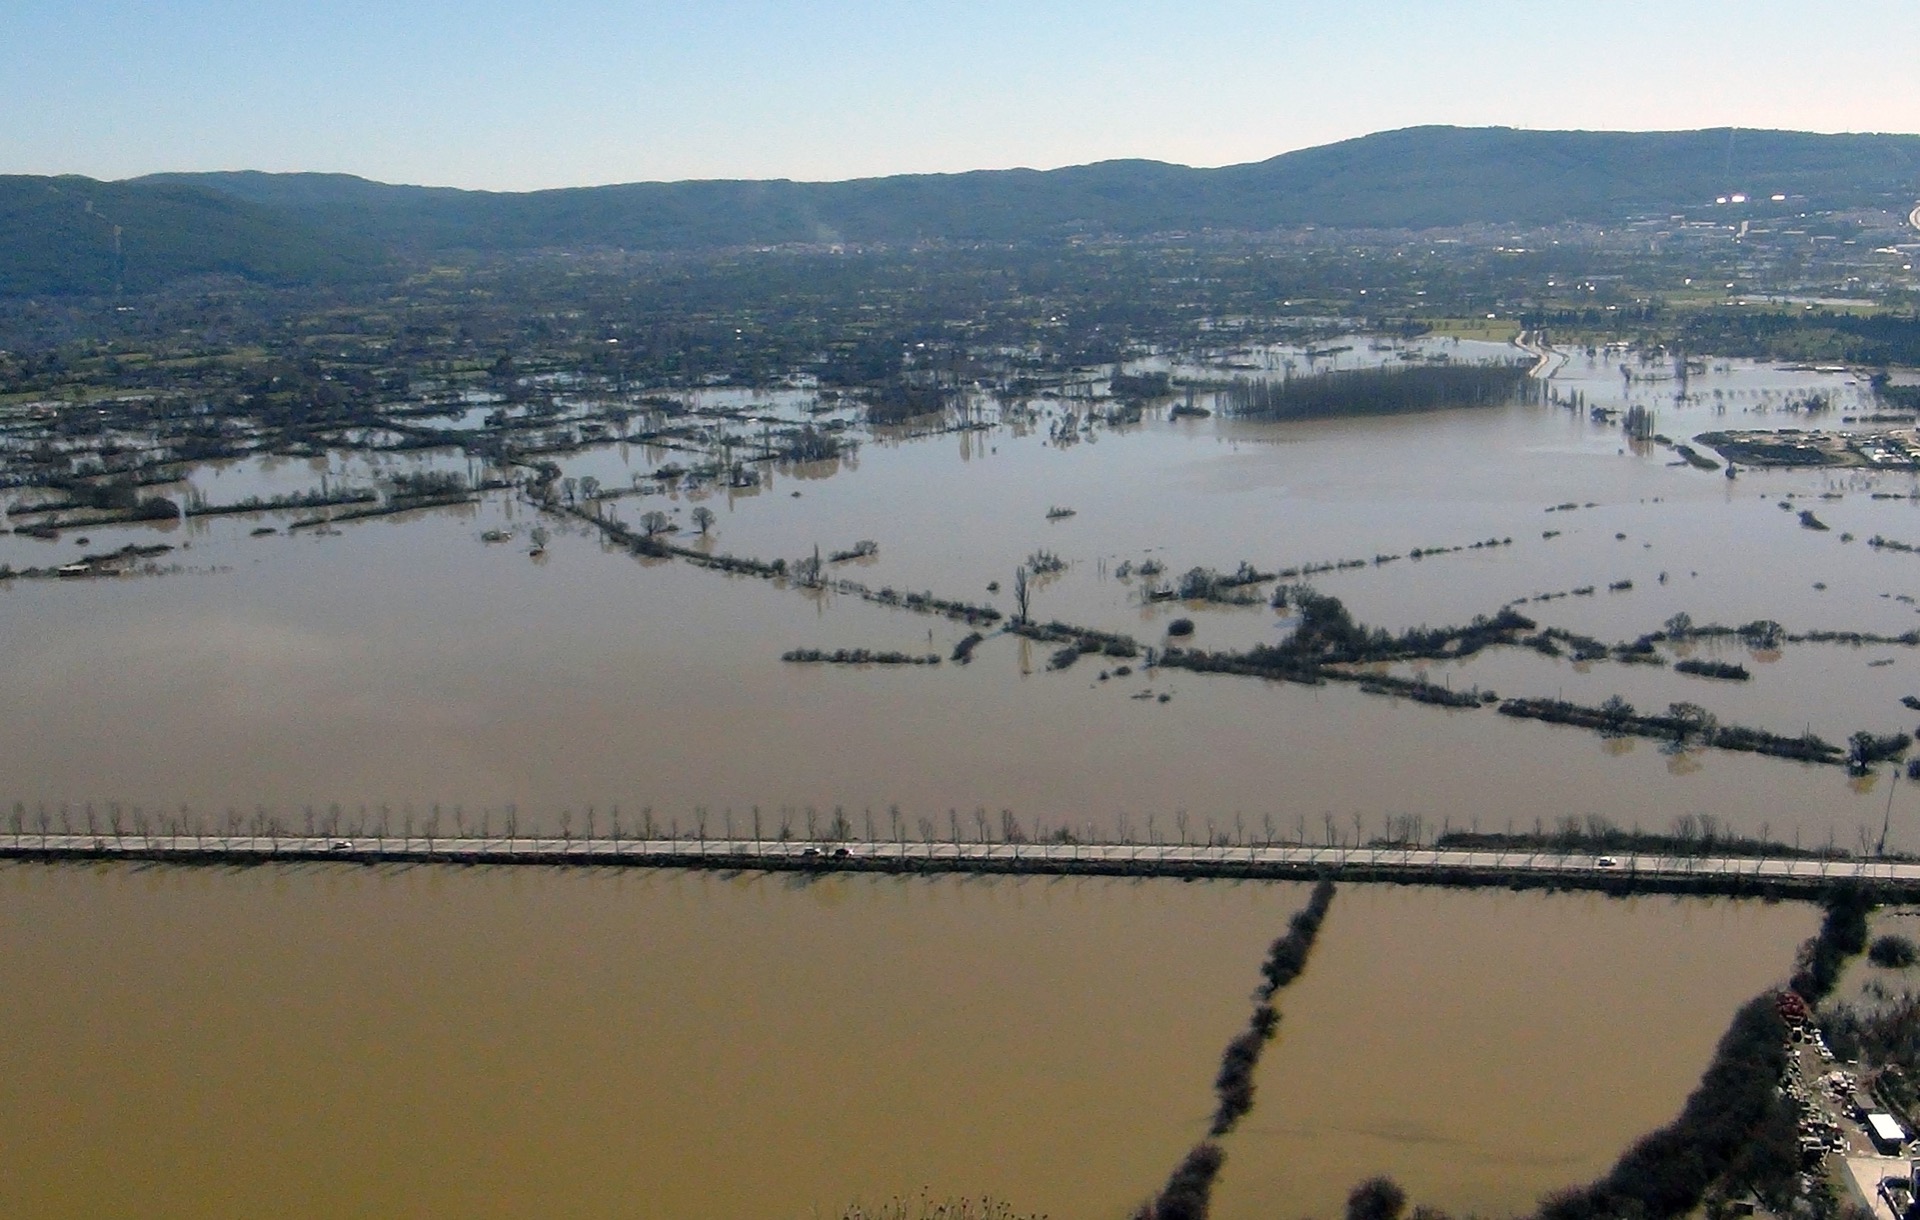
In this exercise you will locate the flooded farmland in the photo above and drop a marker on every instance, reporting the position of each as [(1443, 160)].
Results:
[(334, 1041), (402, 662), (673, 1045)]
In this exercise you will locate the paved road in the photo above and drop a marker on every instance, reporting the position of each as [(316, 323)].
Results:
[(1547, 360), (994, 857)]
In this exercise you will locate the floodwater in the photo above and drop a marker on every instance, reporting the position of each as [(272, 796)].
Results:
[(485, 1043), (335, 1041), (402, 662), (1485, 1048)]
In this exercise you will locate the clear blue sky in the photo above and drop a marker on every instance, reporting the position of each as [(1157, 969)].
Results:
[(483, 93)]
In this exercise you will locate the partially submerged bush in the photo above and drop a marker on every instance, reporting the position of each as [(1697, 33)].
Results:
[(1892, 952)]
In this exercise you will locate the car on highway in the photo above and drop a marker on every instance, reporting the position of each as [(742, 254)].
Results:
[(340, 845), (1606, 862)]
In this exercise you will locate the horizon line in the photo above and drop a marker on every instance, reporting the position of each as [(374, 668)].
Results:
[(960, 173)]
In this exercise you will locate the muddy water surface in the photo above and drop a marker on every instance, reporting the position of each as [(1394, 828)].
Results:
[(1486, 1048), (335, 1041), (405, 663)]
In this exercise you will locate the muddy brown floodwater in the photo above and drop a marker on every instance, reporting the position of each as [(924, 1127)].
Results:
[(334, 1041), (329, 1041), (402, 662)]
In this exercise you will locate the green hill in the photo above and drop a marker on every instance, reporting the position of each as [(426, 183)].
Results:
[(57, 232), (72, 235), (1421, 177), (1435, 176)]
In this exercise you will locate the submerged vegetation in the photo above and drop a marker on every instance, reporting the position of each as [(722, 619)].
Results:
[(926, 1207), (1736, 1132), (1387, 390), (1328, 645), (527, 368), (1736, 1136), (1892, 952), (1188, 1193), (1725, 670), (857, 656)]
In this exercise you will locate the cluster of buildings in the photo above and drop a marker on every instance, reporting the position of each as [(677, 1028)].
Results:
[(1840, 1118)]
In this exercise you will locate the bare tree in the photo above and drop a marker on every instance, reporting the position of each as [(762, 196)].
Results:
[(806, 570), (1010, 830), (1020, 595), (703, 519)]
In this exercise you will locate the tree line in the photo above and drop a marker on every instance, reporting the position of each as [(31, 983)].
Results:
[(1188, 1193), (1736, 1134), (1386, 390)]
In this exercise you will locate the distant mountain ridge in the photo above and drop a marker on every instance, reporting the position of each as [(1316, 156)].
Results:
[(317, 227), (67, 235)]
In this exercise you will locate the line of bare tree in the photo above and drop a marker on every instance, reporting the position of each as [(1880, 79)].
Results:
[(1188, 1192)]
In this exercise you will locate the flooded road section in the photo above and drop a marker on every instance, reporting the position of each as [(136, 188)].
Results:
[(332, 1041)]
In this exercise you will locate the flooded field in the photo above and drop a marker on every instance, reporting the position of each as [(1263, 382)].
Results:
[(403, 662), (338, 1041), (487, 1044)]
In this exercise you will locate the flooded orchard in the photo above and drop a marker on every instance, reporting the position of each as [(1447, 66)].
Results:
[(331, 1040)]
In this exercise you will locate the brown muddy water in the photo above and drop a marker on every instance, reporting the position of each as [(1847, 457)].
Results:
[(402, 662), (334, 1041), (477, 1043)]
